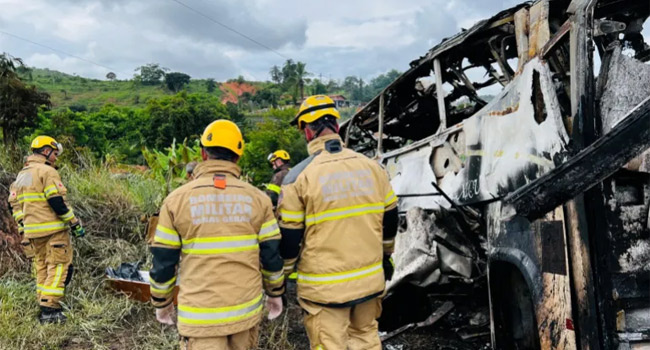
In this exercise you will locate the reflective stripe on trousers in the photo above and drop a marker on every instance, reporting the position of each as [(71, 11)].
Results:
[(53, 289)]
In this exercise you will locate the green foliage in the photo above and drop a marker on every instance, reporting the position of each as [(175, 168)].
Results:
[(19, 102), (175, 81), (114, 130), (179, 117), (292, 78), (168, 167), (210, 85), (152, 73), (273, 132), (110, 204)]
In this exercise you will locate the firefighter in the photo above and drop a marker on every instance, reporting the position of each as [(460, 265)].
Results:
[(212, 236), (338, 217), (280, 162), (37, 200)]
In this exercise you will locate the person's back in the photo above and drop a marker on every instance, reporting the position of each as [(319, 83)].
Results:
[(38, 202), (338, 218), (341, 258), (222, 234)]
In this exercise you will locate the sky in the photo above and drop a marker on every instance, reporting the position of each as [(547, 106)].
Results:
[(334, 38)]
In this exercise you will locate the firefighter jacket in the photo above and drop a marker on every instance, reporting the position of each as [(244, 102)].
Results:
[(332, 214), (37, 200), (273, 188), (213, 234)]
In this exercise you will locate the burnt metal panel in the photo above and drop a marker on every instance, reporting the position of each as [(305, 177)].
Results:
[(553, 252), (587, 168)]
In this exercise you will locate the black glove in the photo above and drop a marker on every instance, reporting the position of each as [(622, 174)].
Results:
[(387, 264)]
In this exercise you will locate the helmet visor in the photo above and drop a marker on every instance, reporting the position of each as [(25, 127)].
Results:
[(59, 148)]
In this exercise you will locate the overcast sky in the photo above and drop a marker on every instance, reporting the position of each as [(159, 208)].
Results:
[(334, 38)]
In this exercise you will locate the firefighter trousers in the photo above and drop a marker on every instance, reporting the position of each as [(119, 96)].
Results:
[(246, 340), (53, 266), (352, 328)]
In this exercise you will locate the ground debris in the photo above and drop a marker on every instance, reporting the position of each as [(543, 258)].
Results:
[(439, 283)]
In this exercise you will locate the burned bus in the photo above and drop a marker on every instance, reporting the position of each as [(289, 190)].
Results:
[(520, 151)]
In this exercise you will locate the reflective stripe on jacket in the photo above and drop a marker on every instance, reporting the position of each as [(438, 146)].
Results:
[(338, 197), (273, 188), (35, 184), (219, 241)]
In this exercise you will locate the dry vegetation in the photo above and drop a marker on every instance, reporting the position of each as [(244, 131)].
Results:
[(98, 318)]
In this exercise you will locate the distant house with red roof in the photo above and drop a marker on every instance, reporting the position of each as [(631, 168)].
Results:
[(340, 100)]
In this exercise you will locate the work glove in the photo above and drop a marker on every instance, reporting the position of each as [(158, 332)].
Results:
[(166, 315), (77, 229), (275, 306), (387, 264)]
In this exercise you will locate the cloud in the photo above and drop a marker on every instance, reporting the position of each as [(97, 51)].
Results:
[(363, 37)]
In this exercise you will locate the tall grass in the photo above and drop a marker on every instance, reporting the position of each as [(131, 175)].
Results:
[(111, 207)]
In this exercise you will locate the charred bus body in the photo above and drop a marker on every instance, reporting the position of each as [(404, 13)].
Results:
[(540, 192)]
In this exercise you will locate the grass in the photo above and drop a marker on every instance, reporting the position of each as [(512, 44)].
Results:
[(69, 90), (110, 206)]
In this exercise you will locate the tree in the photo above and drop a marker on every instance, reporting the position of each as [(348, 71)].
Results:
[(175, 81), (300, 76), (19, 103), (111, 76), (267, 97), (351, 86), (210, 85), (276, 74), (151, 74), (180, 116), (294, 77), (272, 133), (379, 83), (318, 88)]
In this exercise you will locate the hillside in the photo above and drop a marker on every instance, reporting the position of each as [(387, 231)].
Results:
[(78, 93)]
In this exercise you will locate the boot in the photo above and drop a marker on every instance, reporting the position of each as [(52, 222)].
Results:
[(51, 315)]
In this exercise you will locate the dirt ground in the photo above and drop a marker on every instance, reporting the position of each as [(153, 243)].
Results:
[(436, 337)]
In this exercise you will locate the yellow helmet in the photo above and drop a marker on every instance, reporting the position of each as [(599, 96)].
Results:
[(223, 133), (279, 154), (314, 108), (42, 141)]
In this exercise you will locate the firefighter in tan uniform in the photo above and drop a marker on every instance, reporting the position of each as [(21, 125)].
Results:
[(218, 239), (338, 217), (37, 200), (280, 162)]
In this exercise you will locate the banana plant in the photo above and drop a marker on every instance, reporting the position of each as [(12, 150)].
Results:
[(169, 167)]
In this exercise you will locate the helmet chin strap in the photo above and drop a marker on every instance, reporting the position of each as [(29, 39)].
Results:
[(311, 134), (47, 156)]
